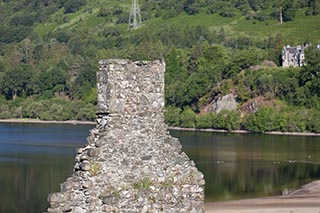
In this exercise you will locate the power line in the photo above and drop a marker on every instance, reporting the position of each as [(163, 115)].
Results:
[(135, 16)]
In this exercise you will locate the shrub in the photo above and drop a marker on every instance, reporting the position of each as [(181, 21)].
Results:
[(227, 14), (265, 119), (229, 120), (172, 116), (204, 120), (103, 12), (233, 120), (33, 110), (5, 111), (188, 118), (72, 6), (87, 112), (313, 123)]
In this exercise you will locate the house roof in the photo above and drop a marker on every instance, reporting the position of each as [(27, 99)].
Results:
[(291, 50), (294, 50)]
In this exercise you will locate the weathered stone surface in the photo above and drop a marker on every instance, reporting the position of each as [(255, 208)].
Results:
[(100, 143), (85, 166), (92, 152), (58, 197), (131, 163), (227, 102)]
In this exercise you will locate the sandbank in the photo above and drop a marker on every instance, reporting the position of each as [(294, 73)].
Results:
[(305, 199)]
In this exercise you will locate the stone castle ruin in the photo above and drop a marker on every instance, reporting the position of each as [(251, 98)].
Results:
[(131, 163)]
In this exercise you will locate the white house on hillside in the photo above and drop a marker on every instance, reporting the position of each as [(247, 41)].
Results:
[(293, 56)]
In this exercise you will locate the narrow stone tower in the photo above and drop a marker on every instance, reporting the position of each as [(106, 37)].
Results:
[(131, 163)]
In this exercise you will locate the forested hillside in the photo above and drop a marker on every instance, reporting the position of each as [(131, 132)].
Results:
[(49, 51)]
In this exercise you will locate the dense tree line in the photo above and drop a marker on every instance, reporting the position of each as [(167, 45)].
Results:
[(288, 119), (59, 65), (252, 9), (291, 97)]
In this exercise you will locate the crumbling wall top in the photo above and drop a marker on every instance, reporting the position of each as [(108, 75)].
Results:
[(131, 90)]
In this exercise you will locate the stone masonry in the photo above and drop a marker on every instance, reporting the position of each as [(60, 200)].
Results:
[(131, 163)]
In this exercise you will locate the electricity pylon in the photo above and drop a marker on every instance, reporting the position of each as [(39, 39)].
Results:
[(135, 17)]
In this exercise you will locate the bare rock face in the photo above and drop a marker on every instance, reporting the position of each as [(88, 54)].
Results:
[(227, 102), (131, 163)]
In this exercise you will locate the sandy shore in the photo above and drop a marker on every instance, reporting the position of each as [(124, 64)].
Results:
[(27, 120), (306, 200)]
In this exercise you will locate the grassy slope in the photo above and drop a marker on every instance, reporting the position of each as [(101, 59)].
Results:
[(80, 19), (303, 28)]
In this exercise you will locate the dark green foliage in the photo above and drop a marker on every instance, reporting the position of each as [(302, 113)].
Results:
[(104, 12), (228, 120), (227, 13), (191, 7), (50, 109), (23, 20), (188, 118), (50, 79), (204, 121), (71, 6), (84, 82), (122, 18), (313, 7), (46, 54), (87, 112), (313, 124), (263, 120), (5, 111), (242, 60), (62, 36), (311, 70), (186, 84), (172, 116), (14, 34), (289, 119), (17, 82), (175, 77), (289, 14)]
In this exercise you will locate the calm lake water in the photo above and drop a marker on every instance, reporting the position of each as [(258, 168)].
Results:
[(36, 158)]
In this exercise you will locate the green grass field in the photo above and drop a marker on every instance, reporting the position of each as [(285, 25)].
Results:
[(302, 29)]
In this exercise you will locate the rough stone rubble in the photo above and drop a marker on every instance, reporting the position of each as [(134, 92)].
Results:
[(131, 163)]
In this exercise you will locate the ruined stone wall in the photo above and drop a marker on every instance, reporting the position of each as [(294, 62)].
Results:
[(131, 163), (132, 95)]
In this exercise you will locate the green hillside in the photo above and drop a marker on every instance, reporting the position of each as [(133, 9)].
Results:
[(49, 51)]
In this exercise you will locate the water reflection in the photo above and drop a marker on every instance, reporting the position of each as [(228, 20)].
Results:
[(241, 166), (35, 159), (26, 181)]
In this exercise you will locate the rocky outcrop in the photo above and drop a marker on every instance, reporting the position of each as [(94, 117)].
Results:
[(131, 163), (227, 102)]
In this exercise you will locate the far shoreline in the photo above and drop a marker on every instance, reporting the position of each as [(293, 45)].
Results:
[(78, 122), (245, 131), (37, 121)]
